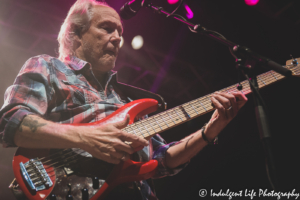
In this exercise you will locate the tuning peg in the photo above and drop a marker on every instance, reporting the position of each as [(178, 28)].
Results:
[(69, 197), (52, 197), (95, 182), (294, 61), (85, 194)]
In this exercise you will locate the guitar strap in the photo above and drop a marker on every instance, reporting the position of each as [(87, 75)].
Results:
[(135, 93)]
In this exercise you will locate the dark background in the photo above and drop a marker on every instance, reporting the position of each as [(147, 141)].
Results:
[(181, 66)]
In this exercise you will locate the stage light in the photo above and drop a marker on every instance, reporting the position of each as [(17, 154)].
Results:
[(190, 13), (122, 42), (137, 42), (251, 2), (172, 1)]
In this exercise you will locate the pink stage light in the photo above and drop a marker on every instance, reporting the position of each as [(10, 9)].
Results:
[(251, 2), (172, 1), (190, 13)]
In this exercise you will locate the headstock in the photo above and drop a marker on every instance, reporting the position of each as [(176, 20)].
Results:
[(294, 66)]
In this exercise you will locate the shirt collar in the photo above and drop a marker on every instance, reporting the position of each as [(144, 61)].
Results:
[(77, 64)]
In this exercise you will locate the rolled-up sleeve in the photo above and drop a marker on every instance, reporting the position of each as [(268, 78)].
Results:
[(29, 94), (159, 153)]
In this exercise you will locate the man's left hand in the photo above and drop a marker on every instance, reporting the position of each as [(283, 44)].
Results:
[(227, 106)]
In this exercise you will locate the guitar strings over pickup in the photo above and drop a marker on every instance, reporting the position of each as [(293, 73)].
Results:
[(35, 175)]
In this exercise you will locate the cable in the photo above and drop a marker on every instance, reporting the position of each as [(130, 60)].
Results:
[(176, 9)]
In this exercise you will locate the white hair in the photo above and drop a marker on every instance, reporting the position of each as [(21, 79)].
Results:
[(77, 22)]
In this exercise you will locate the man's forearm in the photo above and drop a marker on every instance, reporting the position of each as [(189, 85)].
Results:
[(35, 132), (189, 147), (184, 151)]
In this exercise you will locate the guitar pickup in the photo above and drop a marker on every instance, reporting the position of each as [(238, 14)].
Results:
[(35, 175)]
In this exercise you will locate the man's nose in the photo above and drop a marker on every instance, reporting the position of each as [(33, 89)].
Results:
[(116, 39)]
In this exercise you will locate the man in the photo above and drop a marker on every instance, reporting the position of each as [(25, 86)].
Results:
[(50, 94)]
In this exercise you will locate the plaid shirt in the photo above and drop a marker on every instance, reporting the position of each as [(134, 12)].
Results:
[(69, 93)]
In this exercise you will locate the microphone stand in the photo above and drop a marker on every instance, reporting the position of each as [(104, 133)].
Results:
[(246, 61)]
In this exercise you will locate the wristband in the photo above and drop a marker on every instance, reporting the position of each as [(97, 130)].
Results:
[(215, 140)]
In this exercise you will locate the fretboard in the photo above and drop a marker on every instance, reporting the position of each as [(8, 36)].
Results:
[(165, 120)]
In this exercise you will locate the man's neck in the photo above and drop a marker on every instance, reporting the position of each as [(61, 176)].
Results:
[(101, 77)]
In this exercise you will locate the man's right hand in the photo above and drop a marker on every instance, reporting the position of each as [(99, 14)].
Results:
[(107, 142)]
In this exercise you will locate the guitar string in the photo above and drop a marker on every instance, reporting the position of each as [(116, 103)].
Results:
[(59, 162), (265, 79), (63, 164), (58, 157), (172, 111), (231, 88), (67, 164), (204, 103), (58, 152)]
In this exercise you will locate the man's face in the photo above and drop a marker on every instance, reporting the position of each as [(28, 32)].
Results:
[(100, 43)]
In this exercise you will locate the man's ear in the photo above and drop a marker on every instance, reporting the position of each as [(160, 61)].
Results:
[(77, 32), (77, 38)]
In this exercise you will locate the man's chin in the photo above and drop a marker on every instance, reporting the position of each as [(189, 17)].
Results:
[(106, 67)]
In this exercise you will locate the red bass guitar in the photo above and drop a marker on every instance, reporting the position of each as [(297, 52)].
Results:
[(74, 174)]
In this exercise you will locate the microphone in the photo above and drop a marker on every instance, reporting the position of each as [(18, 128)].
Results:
[(129, 9)]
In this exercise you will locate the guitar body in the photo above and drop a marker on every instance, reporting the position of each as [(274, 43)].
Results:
[(73, 170)]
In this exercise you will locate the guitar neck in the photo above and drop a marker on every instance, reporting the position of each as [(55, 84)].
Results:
[(165, 120)]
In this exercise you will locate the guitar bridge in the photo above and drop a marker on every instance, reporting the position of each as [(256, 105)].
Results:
[(35, 175)]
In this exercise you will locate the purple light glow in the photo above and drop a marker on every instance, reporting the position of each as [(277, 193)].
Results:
[(190, 13), (251, 2), (172, 1)]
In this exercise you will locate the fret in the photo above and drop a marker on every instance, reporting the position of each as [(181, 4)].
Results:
[(133, 130), (151, 126), (196, 105), (209, 105), (164, 120), (126, 129), (171, 118), (233, 88), (261, 80), (246, 87), (181, 114), (139, 130), (266, 77), (157, 123), (202, 104), (278, 75), (193, 108), (178, 114), (208, 98), (270, 78), (145, 127), (184, 111), (154, 125), (273, 75)]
